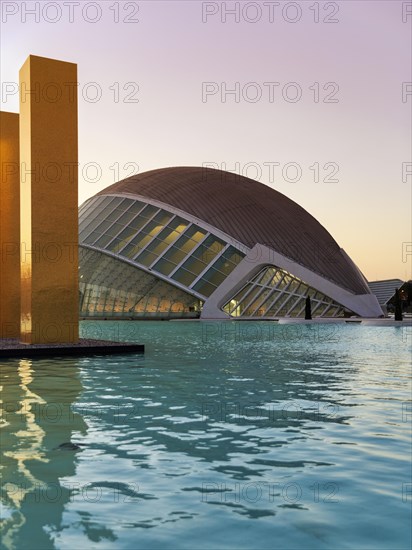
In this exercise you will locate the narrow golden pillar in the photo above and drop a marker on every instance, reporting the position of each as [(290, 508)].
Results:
[(9, 226), (48, 201)]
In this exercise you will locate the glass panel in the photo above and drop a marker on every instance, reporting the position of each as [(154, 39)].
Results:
[(127, 234), (114, 214), (136, 245), (277, 278), (91, 238), (301, 289), (223, 265), (148, 212), (111, 287), (291, 303), (318, 309), (274, 303), (194, 265), (99, 215), (125, 204), (88, 224), (282, 305), (249, 299), (234, 256), (238, 297), (104, 239), (204, 288), (288, 299), (179, 224), (233, 308), (298, 308), (184, 277), (120, 302), (159, 244), (146, 258), (209, 249), (163, 218), (180, 250), (176, 254), (334, 311), (262, 302), (144, 237), (102, 227), (168, 235), (94, 206), (108, 307), (195, 233), (83, 206), (136, 206), (243, 296), (88, 205), (117, 244), (325, 312), (284, 283), (211, 276), (114, 229), (183, 245), (253, 308), (151, 229), (126, 217), (294, 285), (164, 266), (200, 258), (268, 276), (266, 298), (115, 201)]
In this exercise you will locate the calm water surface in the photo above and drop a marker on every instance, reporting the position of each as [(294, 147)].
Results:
[(223, 436)]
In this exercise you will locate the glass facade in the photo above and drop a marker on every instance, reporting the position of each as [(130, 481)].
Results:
[(157, 240), (112, 288), (274, 292), (132, 243)]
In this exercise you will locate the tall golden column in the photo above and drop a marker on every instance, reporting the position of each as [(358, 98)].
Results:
[(48, 201), (9, 226)]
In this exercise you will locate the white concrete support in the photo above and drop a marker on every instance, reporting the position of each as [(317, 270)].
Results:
[(364, 305)]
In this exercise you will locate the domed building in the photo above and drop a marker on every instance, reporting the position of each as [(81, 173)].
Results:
[(198, 242)]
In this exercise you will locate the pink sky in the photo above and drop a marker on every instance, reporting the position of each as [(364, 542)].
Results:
[(163, 60)]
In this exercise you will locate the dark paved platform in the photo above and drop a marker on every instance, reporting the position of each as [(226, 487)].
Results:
[(12, 347)]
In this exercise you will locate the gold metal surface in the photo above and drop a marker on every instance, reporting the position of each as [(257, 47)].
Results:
[(48, 201), (9, 226)]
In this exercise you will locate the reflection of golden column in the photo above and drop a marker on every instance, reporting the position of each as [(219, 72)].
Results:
[(36, 417), (48, 191), (9, 226)]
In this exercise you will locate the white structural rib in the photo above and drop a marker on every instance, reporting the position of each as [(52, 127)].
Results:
[(364, 305)]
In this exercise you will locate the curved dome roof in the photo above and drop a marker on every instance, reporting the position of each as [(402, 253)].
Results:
[(251, 213)]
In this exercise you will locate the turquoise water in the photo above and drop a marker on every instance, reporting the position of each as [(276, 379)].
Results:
[(224, 435)]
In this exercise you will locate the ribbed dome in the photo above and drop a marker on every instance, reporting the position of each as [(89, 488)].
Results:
[(251, 213)]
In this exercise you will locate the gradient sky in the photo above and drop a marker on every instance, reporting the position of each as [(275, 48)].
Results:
[(170, 52)]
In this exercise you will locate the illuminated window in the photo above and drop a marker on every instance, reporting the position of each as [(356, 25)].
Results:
[(276, 293)]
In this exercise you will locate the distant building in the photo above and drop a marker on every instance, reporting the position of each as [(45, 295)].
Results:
[(385, 293), (198, 242)]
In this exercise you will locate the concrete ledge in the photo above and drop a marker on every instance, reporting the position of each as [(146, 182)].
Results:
[(11, 348)]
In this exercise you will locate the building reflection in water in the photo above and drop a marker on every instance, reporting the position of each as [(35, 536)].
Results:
[(37, 427)]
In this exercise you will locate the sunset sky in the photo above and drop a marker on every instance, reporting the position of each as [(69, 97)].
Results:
[(351, 69)]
